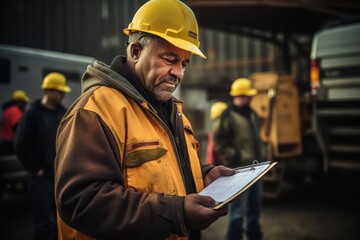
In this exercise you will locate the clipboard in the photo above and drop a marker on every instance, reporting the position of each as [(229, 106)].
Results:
[(226, 188)]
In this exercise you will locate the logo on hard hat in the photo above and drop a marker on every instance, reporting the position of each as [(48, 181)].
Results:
[(192, 34)]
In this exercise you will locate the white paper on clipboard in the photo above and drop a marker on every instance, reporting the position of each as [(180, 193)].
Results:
[(226, 188)]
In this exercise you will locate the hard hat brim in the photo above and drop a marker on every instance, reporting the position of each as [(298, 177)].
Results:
[(249, 93), (22, 98), (64, 89), (177, 42)]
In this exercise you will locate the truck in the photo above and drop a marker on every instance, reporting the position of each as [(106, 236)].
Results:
[(24, 68), (330, 142), (335, 91)]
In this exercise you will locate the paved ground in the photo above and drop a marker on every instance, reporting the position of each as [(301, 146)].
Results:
[(323, 209)]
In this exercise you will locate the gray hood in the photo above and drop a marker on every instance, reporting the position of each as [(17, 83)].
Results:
[(100, 74)]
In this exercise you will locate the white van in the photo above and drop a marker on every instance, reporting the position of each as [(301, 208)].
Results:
[(24, 68), (335, 83)]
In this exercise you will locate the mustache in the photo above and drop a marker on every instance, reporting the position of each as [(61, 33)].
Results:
[(172, 79)]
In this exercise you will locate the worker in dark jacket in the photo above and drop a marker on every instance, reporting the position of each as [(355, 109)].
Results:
[(237, 139), (35, 147), (127, 164)]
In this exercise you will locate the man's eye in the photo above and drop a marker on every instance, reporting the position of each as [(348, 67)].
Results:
[(169, 60)]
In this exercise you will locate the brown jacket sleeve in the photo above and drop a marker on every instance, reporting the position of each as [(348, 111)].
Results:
[(90, 192)]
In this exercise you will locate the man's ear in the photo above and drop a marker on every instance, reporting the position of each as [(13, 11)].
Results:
[(135, 51)]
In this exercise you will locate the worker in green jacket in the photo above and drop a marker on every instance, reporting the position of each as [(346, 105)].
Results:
[(237, 140)]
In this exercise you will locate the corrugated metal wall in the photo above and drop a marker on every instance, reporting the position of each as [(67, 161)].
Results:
[(87, 27), (230, 56), (94, 27)]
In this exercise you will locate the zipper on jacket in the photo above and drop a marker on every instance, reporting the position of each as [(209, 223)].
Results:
[(175, 141), (180, 131)]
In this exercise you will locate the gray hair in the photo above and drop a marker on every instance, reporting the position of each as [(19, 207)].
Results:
[(144, 40)]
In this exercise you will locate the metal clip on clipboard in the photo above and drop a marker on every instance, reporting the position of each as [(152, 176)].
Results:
[(255, 162)]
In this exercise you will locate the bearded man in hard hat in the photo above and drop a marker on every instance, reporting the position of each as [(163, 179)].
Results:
[(35, 147), (237, 139), (127, 164)]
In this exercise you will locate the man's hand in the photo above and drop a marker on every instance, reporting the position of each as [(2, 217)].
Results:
[(216, 172), (199, 213)]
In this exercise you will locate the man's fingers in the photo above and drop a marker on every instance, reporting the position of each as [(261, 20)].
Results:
[(226, 171)]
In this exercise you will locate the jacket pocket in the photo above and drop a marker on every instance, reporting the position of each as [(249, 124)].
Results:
[(149, 168)]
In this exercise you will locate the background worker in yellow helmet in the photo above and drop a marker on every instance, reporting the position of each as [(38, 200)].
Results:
[(12, 112), (35, 147), (237, 139), (217, 108), (11, 115), (127, 164)]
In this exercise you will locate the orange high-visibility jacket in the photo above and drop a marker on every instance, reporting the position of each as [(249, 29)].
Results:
[(117, 172)]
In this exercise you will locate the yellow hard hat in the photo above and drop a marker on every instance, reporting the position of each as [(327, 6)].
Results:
[(55, 81), (171, 20), (216, 109), (242, 87), (19, 95)]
